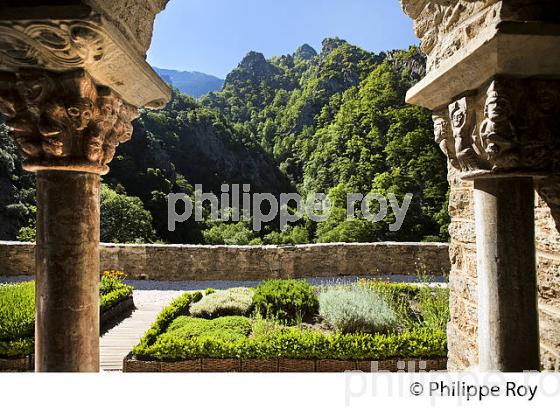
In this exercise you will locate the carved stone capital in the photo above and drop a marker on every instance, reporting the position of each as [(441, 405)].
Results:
[(64, 121), (446, 26), (468, 42), (87, 38), (509, 127)]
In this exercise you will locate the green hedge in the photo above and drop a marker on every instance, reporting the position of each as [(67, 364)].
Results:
[(17, 310), (231, 328), (178, 307), (17, 313), (110, 299), (299, 344), (286, 300), (418, 338), (17, 319)]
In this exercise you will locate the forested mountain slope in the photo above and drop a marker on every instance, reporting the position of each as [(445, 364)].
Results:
[(332, 121)]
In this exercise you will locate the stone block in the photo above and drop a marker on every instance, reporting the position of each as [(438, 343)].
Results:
[(462, 231), (548, 280), (461, 203)]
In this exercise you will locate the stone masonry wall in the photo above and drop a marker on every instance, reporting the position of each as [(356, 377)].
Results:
[(194, 262), (462, 329)]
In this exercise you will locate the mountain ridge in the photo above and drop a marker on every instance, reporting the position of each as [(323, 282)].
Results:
[(333, 122), (193, 83)]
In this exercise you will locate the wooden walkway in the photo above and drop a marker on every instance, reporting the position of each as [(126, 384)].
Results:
[(119, 341)]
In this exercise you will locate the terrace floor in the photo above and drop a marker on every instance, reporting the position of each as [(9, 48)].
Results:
[(115, 344)]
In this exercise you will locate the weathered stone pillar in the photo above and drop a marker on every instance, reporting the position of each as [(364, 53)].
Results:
[(507, 282), (67, 302), (71, 79), (67, 128), (493, 84)]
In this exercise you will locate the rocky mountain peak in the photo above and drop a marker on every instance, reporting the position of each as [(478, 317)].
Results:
[(330, 44), (305, 52), (254, 66)]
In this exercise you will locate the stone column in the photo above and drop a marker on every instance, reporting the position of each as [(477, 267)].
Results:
[(493, 83), (67, 302), (507, 280), (67, 129), (71, 78)]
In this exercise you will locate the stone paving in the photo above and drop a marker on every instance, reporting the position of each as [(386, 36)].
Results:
[(118, 341)]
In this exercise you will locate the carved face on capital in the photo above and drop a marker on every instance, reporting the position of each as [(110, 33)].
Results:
[(497, 108), (108, 108), (80, 113), (126, 135), (128, 113), (53, 146), (441, 126), (94, 144), (33, 88), (458, 117)]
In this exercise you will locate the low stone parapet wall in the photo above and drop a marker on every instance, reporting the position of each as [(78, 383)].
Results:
[(201, 262)]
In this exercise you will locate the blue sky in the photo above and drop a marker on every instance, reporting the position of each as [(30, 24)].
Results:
[(212, 36)]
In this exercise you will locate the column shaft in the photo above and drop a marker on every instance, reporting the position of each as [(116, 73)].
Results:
[(508, 323), (67, 258)]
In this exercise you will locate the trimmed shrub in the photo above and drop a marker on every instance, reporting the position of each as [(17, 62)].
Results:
[(230, 302), (286, 300), (111, 299), (17, 348), (112, 290), (17, 311), (271, 339), (179, 306), (355, 309), (294, 343), (228, 328)]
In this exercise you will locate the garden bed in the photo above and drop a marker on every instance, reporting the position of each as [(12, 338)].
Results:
[(132, 365), (116, 314), (17, 317), (286, 326)]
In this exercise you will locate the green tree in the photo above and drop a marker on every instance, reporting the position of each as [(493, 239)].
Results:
[(124, 219)]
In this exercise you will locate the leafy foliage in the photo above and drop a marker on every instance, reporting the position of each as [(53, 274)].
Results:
[(219, 233), (124, 219), (241, 337), (355, 309), (233, 301), (17, 311), (333, 122), (295, 343), (112, 290), (420, 306), (434, 307), (227, 328), (286, 300), (179, 306)]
